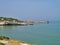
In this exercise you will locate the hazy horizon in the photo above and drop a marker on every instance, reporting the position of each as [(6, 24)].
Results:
[(31, 9)]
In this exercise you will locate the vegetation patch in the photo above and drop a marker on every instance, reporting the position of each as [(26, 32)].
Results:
[(1, 43), (4, 38)]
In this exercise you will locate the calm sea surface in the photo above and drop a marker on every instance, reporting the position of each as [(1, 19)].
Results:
[(41, 34)]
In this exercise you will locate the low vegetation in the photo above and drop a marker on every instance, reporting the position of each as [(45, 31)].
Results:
[(1, 43), (4, 38)]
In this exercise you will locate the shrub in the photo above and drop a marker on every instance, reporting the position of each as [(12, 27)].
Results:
[(3, 37), (1, 43)]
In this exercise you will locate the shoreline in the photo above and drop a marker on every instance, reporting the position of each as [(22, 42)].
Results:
[(7, 41)]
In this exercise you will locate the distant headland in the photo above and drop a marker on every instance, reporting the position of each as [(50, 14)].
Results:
[(13, 21)]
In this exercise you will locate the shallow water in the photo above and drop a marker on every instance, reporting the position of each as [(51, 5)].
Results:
[(41, 34)]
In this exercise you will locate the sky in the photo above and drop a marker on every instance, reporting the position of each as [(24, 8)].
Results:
[(31, 9)]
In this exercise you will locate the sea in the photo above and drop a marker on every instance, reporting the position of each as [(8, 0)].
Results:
[(40, 34)]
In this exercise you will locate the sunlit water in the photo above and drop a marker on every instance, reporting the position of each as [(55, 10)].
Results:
[(41, 34)]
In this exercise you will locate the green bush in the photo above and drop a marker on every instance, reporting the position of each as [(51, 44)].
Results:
[(3, 37), (1, 43)]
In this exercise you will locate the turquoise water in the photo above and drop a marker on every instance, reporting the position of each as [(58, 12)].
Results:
[(41, 34)]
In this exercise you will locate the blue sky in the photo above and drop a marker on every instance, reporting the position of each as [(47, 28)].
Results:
[(31, 9)]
